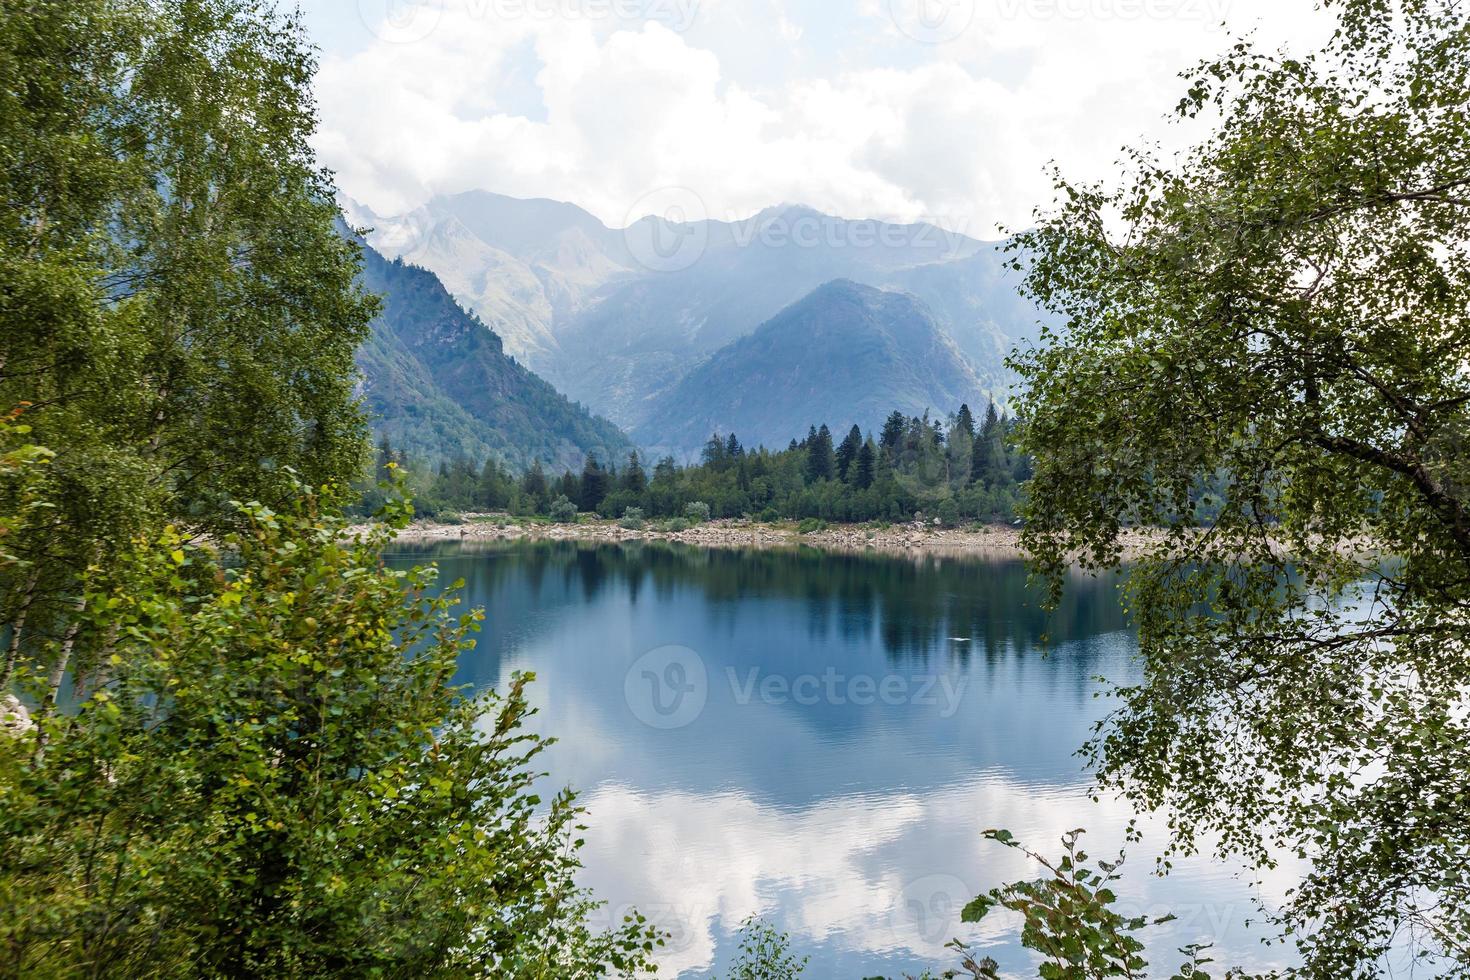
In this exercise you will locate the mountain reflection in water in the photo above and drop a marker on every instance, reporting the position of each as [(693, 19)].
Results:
[(820, 738)]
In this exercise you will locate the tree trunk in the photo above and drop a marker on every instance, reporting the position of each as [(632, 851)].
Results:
[(17, 631)]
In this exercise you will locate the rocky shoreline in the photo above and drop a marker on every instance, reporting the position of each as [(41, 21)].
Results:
[(999, 540)]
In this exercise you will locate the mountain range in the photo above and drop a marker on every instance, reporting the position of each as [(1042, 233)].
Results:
[(600, 315), (437, 381), (654, 338)]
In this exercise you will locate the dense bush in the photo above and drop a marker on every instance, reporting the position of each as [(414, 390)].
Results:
[(563, 511), (266, 773)]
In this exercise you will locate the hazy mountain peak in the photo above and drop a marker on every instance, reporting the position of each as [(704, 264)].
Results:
[(581, 304), (845, 353)]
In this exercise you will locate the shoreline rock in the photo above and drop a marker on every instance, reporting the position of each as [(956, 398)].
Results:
[(1001, 540), (914, 537)]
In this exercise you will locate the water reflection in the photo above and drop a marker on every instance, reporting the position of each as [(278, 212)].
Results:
[(818, 738)]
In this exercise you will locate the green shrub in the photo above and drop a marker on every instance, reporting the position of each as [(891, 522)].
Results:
[(811, 524), (267, 773), (632, 519), (696, 512), (765, 954), (563, 511)]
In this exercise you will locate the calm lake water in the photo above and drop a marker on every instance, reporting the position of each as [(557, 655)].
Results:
[(819, 739)]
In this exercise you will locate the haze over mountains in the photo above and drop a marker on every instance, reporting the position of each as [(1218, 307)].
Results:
[(646, 325), (438, 383), (869, 350)]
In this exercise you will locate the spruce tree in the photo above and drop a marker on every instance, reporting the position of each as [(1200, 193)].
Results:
[(595, 485), (533, 485), (965, 421), (891, 439), (634, 479), (865, 468), (847, 452), (713, 453), (821, 463)]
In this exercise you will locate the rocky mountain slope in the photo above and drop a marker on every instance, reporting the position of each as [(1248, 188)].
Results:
[(438, 382), (846, 353)]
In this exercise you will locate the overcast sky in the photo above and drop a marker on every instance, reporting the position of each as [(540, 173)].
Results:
[(942, 110)]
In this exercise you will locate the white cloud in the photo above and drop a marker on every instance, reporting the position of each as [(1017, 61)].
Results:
[(766, 101), (886, 876)]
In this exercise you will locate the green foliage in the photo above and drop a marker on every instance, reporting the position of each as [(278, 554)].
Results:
[(632, 519), (563, 511), (821, 461), (266, 773), (923, 468), (811, 525), (178, 309), (1067, 916), (20, 502), (765, 954), (1274, 342)]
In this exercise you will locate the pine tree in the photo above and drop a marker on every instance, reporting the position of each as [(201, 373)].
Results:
[(821, 463), (847, 452), (568, 486), (713, 453), (988, 461), (992, 421), (965, 421), (634, 479), (733, 449), (866, 466), (533, 485), (494, 489), (891, 440), (595, 485)]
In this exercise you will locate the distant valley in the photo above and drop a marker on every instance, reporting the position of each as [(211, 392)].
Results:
[(668, 352)]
